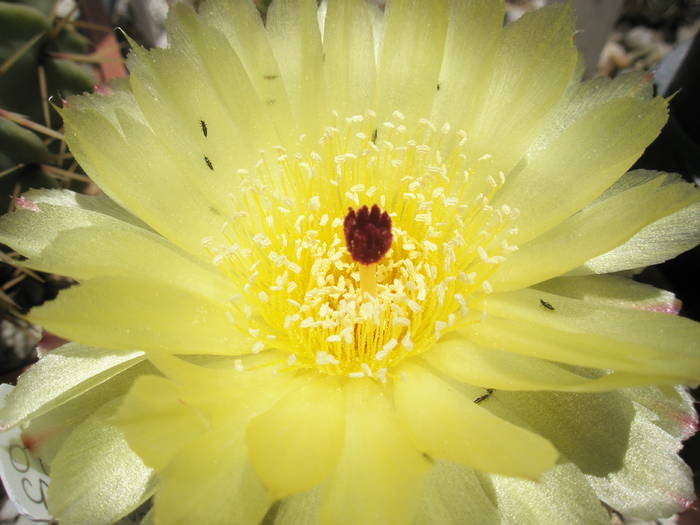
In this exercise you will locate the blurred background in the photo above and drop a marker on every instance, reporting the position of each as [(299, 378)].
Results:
[(50, 49)]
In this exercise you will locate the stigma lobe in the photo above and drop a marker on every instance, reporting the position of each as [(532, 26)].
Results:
[(367, 234)]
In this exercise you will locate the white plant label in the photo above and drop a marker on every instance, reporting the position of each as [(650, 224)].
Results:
[(23, 476)]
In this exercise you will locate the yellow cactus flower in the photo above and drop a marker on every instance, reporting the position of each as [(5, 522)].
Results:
[(350, 271)]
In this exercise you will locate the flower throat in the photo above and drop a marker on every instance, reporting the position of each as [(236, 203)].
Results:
[(348, 289)]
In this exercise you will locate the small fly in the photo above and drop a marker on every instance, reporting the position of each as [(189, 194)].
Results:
[(488, 393), (546, 304)]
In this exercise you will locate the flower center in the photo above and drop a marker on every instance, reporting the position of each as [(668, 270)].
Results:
[(401, 279), (368, 238), (367, 234)]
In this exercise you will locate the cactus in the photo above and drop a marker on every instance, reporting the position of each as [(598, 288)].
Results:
[(34, 44), (29, 75)]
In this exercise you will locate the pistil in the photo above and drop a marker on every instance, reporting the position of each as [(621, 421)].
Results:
[(368, 238), (368, 278)]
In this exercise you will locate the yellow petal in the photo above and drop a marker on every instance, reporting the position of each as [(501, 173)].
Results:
[(216, 114), (177, 129), (300, 509), (110, 139), (157, 422), (591, 335), (296, 444), (237, 123), (377, 19), (451, 493), (533, 66), (447, 425), (614, 290), (46, 431), (499, 369), (99, 203), (411, 54), (294, 36), (666, 332), (84, 244), (662, 240), (662, 484), (125, 313), (589, 155), (669, 408), (349, 68), (597, 229), (211, 482), (96, 478), (563, 417), (563, 495), (63, 374), (252, 388), (213, 469), (378, 478), (583, 349), (240, 22), (473, 33), (582, 97)]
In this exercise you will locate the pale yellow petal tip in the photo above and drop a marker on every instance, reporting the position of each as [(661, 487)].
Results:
[(550, 457), (296, 444), (156, 421), (97, 493), (449, 425)]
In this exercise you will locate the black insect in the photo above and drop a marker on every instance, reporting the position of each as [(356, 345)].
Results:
[(438, 86), (488, 393), (209, 164), (546, 304), (204, 127), (270, 77), (374, 136)]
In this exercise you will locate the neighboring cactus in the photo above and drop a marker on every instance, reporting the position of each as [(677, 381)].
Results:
[(29, 74), (33, 43)]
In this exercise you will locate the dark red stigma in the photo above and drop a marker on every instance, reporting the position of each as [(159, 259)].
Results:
[(367, 234)]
